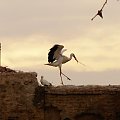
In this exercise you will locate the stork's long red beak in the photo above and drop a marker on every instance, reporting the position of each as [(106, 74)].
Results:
[(78, 61), (82, 64), (75, 58)]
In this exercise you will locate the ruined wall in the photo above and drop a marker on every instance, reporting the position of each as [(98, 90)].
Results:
[(16, 96), (22, 99), (83, 102)]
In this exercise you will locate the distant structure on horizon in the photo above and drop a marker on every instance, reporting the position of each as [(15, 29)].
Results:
[(0, 54)]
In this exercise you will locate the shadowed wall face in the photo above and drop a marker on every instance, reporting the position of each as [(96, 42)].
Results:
[(85, 102), (89, 116), (16, 96), (22, 99), (52, 113)]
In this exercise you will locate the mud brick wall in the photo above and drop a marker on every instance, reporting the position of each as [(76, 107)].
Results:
[(16, 96), (22, 99), (83, 102)]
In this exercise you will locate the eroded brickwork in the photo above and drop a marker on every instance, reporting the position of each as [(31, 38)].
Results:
[(85, 102), (22, 99), (16, 96)]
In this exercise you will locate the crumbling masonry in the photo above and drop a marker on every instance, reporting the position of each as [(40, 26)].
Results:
[(22, 99)]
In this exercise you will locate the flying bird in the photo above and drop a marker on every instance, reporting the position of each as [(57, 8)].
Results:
[(100, 12), (45, 82), (56, 59)]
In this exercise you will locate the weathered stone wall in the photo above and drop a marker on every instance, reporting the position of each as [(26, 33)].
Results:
[(16, 96), (84, 102), (22, 99)]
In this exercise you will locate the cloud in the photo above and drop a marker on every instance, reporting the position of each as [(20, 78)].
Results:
[(33, 50), (25, 51), (63, 19), (108, 77)]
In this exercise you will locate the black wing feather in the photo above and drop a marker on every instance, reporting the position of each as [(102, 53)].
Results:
[(51, 53)]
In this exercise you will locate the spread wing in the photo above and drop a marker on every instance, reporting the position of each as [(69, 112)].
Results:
[(54, 53), (63, 50)]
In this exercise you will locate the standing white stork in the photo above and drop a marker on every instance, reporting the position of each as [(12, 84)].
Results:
[(45, 82), (56, 59)]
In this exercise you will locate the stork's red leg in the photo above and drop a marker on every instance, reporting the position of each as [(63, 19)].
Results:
[(61, 75), (66, 76)]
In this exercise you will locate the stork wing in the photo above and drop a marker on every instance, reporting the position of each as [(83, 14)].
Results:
[(54, 53), (63, 50)]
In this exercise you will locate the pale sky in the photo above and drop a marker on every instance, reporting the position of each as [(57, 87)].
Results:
[(28, 29)]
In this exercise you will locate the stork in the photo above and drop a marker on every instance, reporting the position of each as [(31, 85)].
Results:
[(56, 59), (45, 82)]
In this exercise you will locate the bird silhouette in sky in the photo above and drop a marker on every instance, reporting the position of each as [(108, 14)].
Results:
[(100, 12)]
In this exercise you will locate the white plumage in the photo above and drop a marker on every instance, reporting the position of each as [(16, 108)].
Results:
[(45, 82), (56, 58)]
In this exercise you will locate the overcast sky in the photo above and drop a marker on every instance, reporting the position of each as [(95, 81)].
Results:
[(28, 29)]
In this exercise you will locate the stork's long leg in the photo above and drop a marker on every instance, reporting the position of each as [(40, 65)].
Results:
[(66, 76), (61, 75)]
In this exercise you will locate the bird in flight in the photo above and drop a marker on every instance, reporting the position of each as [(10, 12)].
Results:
[(56, 59), (99, 13)]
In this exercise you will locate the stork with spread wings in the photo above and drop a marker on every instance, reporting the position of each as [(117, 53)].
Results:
[(56, 59)]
